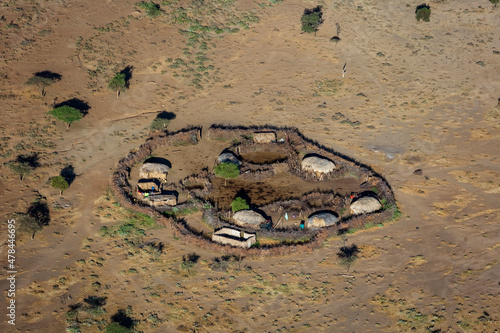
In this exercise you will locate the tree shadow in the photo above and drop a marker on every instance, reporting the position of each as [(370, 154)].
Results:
[(191, 257), (128, 75), (39, 211), (243, 194), (422, 6), (95, 301), (123, 319), (68, 173), (76, 103), (348, 251), (166, 115), (49, 75), (31, 159)]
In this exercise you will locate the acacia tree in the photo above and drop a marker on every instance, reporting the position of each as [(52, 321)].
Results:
[(37, 216), (348, 255), (66, 114), (423, 12), (118, 83), (22, 169), (312, 19), (227, 171), (495, 2), (43, 80), (59, 183), (24, 165)]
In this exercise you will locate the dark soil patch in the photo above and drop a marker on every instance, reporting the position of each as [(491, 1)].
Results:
[(280, 187), (264, 157)]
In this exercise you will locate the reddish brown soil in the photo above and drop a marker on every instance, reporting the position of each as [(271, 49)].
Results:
[(416, 95)]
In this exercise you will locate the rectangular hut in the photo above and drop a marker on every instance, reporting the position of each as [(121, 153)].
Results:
[(234, 237), (162, 200), (264, 137)]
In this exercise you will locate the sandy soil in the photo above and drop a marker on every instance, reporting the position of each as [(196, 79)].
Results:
[(416, 95)]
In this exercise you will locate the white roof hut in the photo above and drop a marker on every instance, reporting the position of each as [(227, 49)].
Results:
[(264, 137), (154, 170), (318, 165), (365, 205), (228, 157), (248, 218), (320, 220), (234, 237)]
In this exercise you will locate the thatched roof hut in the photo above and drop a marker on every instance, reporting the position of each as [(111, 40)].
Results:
[(148, 185), (234, 237), (320, 220), (228, 157), (318, 165), (365, 205), (248, 218), (264, 137), (154, 170)]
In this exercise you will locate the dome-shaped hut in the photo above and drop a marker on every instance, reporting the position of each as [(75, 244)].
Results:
[(318, 165), (228, 157), (320, 220), (154, 170), (365, 205), (248, 218)]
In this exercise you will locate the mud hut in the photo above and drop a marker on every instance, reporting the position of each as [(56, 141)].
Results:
[(264, 137), (318, 165), (228, 157), (234, 237), (154, 170), (148, 186), (365, 205), (248, 218), (162, 200), (320, 220)]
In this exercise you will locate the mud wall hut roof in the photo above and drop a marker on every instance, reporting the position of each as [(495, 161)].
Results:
[(154, 168), (228, 157), (317, 164), (324, 219), (248, 217), (365, 205)]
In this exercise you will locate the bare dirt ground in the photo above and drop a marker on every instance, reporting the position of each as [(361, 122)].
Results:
[(416, 95)]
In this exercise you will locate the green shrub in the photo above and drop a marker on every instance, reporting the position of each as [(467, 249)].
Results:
[(311, 19), (152, 9), (423, 12), (495, 2), (159, 124), (227, 170), (66, 114), (118, 83), (239, 204), (59, 183), (117, 328)]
